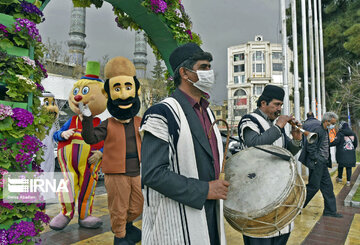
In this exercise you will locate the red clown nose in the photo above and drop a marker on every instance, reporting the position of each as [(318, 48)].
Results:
[(78, 98)]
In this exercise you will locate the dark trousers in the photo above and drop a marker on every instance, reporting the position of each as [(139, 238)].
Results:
[(348, 173), (319, 178), (278, 240)]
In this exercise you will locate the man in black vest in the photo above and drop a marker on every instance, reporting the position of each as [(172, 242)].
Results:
[(259, 128)]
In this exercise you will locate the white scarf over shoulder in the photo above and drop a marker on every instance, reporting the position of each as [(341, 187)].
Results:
[(165, 221)]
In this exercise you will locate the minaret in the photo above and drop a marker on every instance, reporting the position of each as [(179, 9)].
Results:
[(77, 35), (140, 54)]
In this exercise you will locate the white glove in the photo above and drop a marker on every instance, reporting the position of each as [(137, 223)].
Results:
[(84, 110)]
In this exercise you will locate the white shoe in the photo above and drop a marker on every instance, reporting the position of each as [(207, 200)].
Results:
[(347, 183), (338, 180)]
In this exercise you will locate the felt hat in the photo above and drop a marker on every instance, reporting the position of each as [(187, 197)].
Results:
[(119, 66), (47, 94), (92, 71), (273, 92), (182, 53)]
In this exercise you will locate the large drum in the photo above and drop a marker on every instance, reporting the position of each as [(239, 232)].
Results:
[(266, 192)]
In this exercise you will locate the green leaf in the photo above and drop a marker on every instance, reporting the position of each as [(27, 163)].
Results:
[(19, 41), (17, 134), (8, 222), (6, 124), (8, 2), (5, 165), (6, 43)]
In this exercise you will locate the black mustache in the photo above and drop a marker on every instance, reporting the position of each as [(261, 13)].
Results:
[(277, 113), (128, 101)]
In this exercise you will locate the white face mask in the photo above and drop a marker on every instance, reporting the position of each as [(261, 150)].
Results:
[(331, 126), (206, 80)]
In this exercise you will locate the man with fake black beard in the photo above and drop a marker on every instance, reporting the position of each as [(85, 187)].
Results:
[(122, 148)]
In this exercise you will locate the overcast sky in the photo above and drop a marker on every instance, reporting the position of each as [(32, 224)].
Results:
[(221, 24)]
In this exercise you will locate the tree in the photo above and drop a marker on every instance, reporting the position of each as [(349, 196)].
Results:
[(104, 60), (57, 60), (347, 94), (154, 90), (341, 33)]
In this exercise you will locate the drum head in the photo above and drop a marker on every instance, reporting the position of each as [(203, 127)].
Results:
[(259, 181)]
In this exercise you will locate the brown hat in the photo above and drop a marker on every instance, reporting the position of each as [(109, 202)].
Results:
[(119, 66)]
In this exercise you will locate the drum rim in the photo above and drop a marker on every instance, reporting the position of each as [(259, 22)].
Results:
[(268, 208), (270, 234)]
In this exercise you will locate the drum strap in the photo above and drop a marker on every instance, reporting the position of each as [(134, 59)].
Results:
[(284, 157)]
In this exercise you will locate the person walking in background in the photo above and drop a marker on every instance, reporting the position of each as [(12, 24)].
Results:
[(317, 158), (311, 122), (346, 143)]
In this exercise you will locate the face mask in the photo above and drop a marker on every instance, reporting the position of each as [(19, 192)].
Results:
[(206, 80), (331, 126)]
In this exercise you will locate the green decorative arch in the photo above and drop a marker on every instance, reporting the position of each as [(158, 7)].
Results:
[(154, 25)]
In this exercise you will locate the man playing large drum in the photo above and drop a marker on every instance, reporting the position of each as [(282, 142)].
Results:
[(265, 126)]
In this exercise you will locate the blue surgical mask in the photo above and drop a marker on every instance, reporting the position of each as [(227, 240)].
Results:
[(331, 126)]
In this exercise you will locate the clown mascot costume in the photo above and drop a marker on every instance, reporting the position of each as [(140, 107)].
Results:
[(80, 162), (122, 148)]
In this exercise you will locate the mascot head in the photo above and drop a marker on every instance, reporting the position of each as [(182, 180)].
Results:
[(48, 102), (88, 90), (122, 88)]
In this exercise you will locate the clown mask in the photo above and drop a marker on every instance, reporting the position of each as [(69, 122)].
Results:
[(50, 105), (89, 92)]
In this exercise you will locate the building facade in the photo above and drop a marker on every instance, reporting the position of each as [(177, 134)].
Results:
[(220, 112), (251, 66)]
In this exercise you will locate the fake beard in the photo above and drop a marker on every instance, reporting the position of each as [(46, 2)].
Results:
[(123, 114)]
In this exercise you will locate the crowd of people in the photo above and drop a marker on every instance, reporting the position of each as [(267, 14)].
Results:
[(181, 154)]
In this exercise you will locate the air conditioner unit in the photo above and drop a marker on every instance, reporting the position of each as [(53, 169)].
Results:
[(259, 38)]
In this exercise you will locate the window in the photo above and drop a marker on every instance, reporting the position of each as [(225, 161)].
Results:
[(238, 57), (240, 112), (276, 55), (240, 98), (239, 68), (258, 56), (277, 66), (236, 79), (239, 79), (258, 68), (218, 113), (257, 89), (242, 101), (242, 78), (239, 92)]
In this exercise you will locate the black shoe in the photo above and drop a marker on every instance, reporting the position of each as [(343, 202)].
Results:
[(335, 215), (122, 241), (133, 233)]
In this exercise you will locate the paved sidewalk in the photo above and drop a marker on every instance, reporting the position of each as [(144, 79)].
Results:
[(334, 230), (310, 227)]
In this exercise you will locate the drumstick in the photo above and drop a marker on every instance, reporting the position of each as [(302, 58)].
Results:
[(282, 156), (222, 175)]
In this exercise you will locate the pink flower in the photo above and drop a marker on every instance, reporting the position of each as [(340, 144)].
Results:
[(5, 111), (189, 33), (158, 6)]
